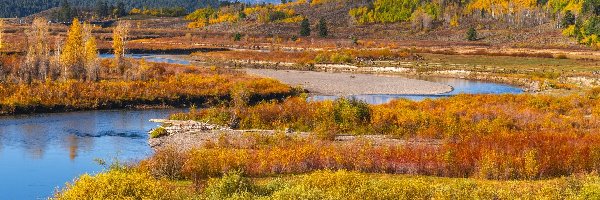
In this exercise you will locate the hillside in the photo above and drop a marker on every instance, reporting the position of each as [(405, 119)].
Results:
[(551, 22)]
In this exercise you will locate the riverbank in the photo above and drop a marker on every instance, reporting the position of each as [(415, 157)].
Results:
[(186, 135)]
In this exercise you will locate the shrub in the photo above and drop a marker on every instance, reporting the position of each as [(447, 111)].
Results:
[(115, 184), (165, 163), (232, 184), (158, 132), (237, 37)]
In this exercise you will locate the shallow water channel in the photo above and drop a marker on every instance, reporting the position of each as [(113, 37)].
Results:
[(460, 86), (41, 152)]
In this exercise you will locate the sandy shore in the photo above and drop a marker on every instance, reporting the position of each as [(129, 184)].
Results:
[(352, 84)]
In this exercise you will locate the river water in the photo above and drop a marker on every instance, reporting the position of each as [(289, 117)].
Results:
[(460, 86), (41, 152)]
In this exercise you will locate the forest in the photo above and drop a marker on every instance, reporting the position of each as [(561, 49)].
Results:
[(27, 7)]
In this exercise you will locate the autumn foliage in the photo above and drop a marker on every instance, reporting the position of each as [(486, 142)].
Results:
[(152, 84), (486, 136)]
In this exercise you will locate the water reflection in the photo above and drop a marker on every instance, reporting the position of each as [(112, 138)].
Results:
[(152, 58), (41, 152), (461, 86)]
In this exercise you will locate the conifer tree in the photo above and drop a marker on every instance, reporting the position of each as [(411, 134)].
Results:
[(471, 34), (305, 27), (322, 26)]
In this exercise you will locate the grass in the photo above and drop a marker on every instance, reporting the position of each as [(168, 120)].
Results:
[(506, 64)]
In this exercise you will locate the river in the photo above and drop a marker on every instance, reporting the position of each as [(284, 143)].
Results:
[(41, 152)]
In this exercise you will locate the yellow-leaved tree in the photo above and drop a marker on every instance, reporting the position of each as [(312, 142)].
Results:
[(91, 61), (1, 33), (119, 38), (72, 58)]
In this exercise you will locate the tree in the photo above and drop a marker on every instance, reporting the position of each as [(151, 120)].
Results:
[(322, 27), (91, 61), (1, 33), (66, 12), (102, 9), (305, 27), (471, 34), (72, 56), (568, 19), (119, 38), (120, 10), (36, 65)]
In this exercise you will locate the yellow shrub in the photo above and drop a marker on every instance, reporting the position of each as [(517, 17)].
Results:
[(115, 184), (569, 31)]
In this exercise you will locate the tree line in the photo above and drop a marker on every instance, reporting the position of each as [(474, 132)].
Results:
[(23, 8)]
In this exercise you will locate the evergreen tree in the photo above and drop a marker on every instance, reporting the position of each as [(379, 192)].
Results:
[(120, 10), (568, 20), (101, 9), (322, 26), (305, 27), (66, 11), (471, 34)]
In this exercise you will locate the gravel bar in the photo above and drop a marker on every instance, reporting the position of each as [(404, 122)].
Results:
[(343, 84)]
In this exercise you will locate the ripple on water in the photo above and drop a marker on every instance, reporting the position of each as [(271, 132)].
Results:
[(41, 152)]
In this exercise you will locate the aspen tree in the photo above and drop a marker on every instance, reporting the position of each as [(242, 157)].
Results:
[(72, 57), (36, 64), (91, 54), (119, 38), (1, 34)]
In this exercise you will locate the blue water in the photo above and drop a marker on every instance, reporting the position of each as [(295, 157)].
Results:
[(152, 58), (39, 153), (461, 86)]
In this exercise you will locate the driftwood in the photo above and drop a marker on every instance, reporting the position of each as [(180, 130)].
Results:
[(177, 126)]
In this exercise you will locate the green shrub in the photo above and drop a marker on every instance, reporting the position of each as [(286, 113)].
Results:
[(349, 114), (158, 132), (232, 185), (237, 37)]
